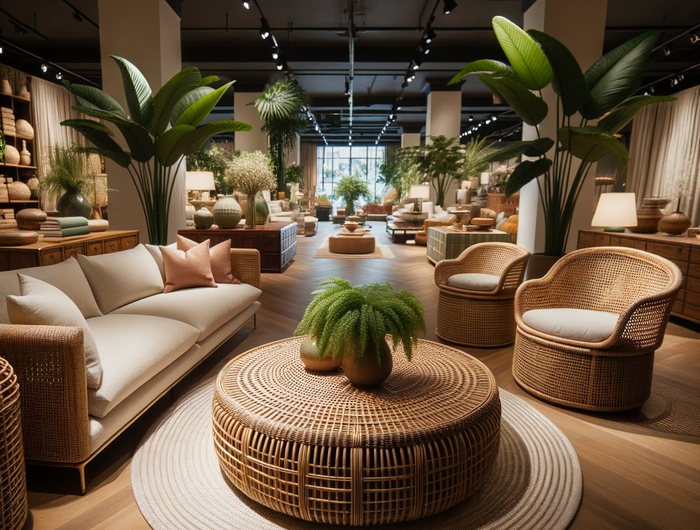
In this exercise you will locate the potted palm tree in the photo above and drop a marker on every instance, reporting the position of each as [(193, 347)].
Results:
[(351, 188), (353, 323), (159, 130), (282, 107), (605, 92)]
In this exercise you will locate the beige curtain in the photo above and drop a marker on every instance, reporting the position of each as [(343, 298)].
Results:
[(665, 153), (51, 104), (308, 160), (390, 151)]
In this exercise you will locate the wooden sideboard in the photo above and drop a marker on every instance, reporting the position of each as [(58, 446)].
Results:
[(48, 251), (498, 203), (683, 251)]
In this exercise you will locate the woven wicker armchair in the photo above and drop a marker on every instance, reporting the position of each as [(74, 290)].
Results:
[(614, 372), (479, 317)]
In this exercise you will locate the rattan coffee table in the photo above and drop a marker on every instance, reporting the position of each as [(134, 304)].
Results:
[(351, 244), (313, 446)]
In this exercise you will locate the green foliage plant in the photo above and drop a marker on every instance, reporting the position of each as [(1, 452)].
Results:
[(399, 172), (68, 171), (604, 93), (212, 158), (159, 131), (351, 188), (294, 174), (282, 108), (347, 320)]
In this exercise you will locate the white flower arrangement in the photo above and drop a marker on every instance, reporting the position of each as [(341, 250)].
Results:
[(251, 173)]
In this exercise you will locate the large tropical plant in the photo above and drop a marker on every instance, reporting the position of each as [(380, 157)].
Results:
[(351, 188), (477, 153), (155, 150), (399, 172), (605, 92), (282, 108)]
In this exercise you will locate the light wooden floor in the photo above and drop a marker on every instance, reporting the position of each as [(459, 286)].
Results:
[(641, 470)]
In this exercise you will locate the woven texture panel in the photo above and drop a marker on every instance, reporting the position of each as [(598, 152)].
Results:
[(315, 447)]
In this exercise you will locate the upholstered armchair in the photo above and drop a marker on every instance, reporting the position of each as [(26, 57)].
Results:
[(475, 304), (587, 331)]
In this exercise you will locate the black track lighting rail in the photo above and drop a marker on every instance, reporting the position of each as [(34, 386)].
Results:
[(79, 15)]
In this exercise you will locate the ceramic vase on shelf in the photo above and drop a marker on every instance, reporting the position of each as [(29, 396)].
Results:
[(308, 353), (250, 211), (5, 87), (649, 215), (19, 191), (33, 184), (365, 371), (25, 157), (675, 223), (227, 212), (203, 218), (11, 155), (262, 211), (74, 204)]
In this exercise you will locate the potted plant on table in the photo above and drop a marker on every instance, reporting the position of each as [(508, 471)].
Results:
[(605, 92), (353, 323), (69, 177), (351, 188), (252, 173)]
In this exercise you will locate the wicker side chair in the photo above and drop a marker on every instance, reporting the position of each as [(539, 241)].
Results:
[(475, 305), (588, 330)]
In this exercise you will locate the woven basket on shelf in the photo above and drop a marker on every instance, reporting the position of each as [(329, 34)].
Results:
[(13, 488), (24, 130), (11, 155), (19, 191)]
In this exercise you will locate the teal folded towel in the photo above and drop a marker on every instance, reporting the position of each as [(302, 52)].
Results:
[(66, 222)]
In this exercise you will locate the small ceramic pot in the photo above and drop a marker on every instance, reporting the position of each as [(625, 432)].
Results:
[(351, 226), (365, 371), (308, 353), (73, 204), (203, 218), (675, 223)]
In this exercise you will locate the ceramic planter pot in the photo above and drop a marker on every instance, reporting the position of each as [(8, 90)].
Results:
[(308, 353), (675, 223), (227, 212), (72, 204), (203, 218), (365, 371)]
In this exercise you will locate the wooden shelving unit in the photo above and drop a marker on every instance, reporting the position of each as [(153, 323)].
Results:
[(22, 110)]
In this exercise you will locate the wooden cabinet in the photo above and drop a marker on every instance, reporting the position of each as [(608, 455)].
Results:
[(681, 250), (49, 251)]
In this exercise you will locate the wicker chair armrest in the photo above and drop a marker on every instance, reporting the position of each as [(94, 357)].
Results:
[(532, 294), (512, 276), (245, 265), (50, 365)]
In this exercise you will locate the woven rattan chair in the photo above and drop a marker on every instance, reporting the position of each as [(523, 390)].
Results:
[(613, 370), (480, 313)]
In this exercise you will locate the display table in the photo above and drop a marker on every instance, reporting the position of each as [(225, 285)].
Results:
[(362, 243), (276, 242), (49, 251), (316, 447), (446, 243), (401, 234)]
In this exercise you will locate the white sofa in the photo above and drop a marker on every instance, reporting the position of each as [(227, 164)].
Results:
[(277, 215), (147, 341)]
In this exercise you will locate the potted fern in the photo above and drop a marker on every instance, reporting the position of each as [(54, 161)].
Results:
[(351, 188), (69, 177), (352, 323)]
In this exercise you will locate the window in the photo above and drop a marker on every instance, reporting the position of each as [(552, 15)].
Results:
[(334, 162)]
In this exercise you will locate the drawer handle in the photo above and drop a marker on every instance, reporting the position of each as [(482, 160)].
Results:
[(129, 243)]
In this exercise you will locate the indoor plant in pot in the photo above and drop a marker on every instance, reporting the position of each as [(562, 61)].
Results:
[(159, 130), (353, 323), (251, 173), (69, 175), (351, 188), (605, 92)]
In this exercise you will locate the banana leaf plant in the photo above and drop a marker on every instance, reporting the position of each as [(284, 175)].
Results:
[(591, 108), (155, 150)]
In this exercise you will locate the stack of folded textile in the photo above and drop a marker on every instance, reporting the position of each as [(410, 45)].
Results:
[(64, 227)]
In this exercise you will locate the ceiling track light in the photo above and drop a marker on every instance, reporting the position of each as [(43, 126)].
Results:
[(493, 118), (471, 118), (430, 35), (77, 17), (694, 38), (417, 61), (44, 68), (265, 29), (246, 4), (449, 6), (19, 29), (59, 76), (275, 52), (667, 51)]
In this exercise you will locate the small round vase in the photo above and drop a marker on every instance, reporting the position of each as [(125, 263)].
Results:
[(262, 212), (675, 223), (203, 218), (365, 371), (227, 212), (73, 204), (350, 226), (308, 353)]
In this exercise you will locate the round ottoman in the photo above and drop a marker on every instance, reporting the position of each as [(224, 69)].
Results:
[(340, 244), (314, 446)]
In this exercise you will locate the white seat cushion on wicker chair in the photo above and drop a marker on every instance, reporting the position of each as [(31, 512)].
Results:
[(574, 324), (473, 281)]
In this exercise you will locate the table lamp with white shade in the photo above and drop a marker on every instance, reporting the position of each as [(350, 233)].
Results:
[(615, 211), (419, 192), (201, 181)]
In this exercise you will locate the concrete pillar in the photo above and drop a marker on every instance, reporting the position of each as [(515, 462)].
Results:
[(147, 33), (410, 139), (580, 25), (244, 110), (444, 118)]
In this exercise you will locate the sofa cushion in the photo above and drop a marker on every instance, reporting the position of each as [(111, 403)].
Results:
[(157, 255), (473, 281), (220, 256), (133, 349), (66, 276), (121, 277), (203, 308), (42, 304), (275, 206), (575, 324), (187, 268)]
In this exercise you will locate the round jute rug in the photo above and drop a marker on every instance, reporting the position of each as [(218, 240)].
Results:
[(535, 483)]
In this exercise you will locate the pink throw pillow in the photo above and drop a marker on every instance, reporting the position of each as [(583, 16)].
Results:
[(220, 256), (184, 269)]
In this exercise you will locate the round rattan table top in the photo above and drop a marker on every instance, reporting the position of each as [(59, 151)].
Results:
[(442, 391)]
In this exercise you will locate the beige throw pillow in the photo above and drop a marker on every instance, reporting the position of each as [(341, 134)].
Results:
[(42, 304), (122, 277)]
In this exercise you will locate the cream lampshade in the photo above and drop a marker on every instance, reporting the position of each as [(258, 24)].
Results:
[(615, 211), (485, 178), (420, 193), (202, 181)]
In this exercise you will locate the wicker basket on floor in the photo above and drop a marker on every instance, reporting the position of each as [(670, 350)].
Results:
[(480, 318), (13, 487)]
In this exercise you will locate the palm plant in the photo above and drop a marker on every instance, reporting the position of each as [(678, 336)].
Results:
[(605, 92), (347, 320), (184, 102), (477, 153), (281, 106)]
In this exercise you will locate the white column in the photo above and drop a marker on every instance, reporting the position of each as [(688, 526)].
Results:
[(245, 111), (444, 118), (410, 139), (580, 25), (147, 33)]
